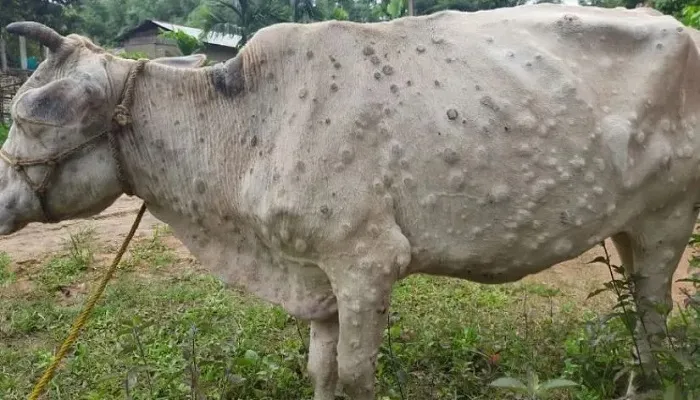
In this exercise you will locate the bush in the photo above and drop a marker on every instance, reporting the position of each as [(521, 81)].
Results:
[(187, 44)]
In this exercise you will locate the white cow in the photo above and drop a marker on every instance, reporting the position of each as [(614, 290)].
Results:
[(329, 160)]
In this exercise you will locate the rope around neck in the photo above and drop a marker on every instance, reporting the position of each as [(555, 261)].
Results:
[(85, 313), (122, 120)]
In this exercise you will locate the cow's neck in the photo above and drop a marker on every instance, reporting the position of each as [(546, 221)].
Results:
[(184, 157)]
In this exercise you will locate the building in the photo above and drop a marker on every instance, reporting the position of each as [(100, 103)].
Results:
[(145, 38)]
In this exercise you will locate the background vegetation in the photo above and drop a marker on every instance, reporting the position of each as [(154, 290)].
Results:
[(104, 20)]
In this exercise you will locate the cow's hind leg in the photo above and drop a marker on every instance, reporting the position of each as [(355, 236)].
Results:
[(651, 250), (323, 366), (362, 278)]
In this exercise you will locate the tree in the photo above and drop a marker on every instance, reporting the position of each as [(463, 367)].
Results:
[(431, 6), (306, 10), (50, 12), (104, 20), (676, 8), (245, 17)]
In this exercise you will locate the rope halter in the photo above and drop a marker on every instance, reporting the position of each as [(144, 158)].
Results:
[(121, 120)]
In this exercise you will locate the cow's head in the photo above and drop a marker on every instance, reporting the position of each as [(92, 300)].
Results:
[(60, 119)]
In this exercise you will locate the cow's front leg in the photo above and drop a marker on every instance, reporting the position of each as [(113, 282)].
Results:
[(323, 366), (363, 285)]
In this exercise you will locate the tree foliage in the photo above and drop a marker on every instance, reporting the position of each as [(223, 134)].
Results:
[(50, 12), (104, 20), (245, 17)]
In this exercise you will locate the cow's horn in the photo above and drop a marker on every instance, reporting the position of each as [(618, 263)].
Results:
[(39, 32)]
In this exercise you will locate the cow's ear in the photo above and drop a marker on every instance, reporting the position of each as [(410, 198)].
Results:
[(190, 61)]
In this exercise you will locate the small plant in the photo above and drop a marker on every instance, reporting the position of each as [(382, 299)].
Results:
[(63, 270), (678, 357), (153, 253), (80, 247), (532, 388), (6, 276)]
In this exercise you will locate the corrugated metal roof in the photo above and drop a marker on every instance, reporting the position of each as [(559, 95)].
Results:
[(211, 38)]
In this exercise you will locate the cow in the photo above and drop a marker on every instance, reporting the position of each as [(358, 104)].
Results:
[(329, 160)]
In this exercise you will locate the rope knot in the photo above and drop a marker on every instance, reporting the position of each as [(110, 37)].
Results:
[(122, 116)]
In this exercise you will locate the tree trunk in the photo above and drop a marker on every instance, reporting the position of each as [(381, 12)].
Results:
[(3, 54), (293, 5), (410, 8), (23, 52)]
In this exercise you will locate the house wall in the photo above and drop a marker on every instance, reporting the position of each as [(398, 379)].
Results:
[(219, 53), (10, 81), (149, 43)]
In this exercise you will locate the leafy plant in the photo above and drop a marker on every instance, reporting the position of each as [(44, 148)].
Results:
[(339, 14), (690, 16), (187, 44), (532, 388), (678, 357), (396, 8), (390, 9)]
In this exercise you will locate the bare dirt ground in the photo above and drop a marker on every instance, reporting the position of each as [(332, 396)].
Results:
[(37, 241)]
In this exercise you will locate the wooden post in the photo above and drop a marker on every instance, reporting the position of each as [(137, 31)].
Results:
[(3, 54), (23, 52)]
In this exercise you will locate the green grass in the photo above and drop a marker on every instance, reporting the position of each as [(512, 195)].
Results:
[(4, 130), (164, 330), (6, 276)]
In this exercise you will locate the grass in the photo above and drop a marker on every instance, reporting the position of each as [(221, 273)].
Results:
[(6, 276), (165, 331), (4, 131)]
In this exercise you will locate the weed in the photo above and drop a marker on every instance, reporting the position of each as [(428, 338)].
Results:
[(152, 253), (6, 276), (78, 256), (532, 388), (678, 359)]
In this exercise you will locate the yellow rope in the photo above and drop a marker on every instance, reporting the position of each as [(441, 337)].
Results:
[(84, 315)]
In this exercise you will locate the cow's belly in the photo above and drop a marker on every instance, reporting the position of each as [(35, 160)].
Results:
[(239, 259), (515, 242), (497, 258)]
